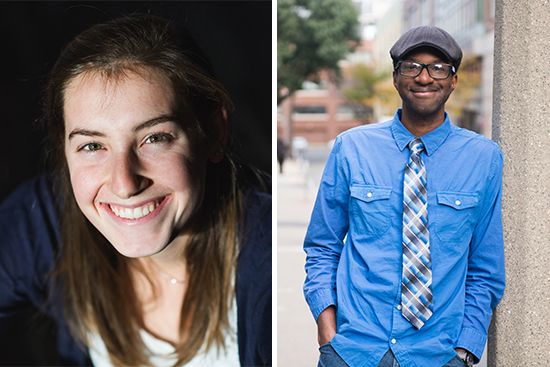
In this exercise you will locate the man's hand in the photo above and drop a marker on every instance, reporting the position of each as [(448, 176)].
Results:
[(326, 325)]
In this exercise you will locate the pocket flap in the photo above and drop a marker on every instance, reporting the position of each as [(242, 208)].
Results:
[(458, 200), (370, 193)]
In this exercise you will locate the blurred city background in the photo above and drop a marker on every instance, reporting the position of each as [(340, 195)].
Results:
[(334, 73)]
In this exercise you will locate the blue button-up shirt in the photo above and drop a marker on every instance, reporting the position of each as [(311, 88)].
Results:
[(354, 253)]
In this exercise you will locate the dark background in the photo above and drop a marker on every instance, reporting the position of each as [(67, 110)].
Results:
[(234, 35)]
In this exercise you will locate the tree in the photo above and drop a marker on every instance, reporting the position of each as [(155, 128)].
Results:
[(312, 35), (466, 97), (368, 90)]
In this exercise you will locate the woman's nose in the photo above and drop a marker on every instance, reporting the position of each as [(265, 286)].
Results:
[(126, 180)]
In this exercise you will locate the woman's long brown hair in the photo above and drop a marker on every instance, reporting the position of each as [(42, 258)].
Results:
[(96, 280)]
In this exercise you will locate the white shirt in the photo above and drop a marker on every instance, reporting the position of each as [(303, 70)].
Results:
[(162, 352)]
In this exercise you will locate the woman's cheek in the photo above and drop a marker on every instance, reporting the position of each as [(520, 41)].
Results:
[(86, 182), (158, 163)]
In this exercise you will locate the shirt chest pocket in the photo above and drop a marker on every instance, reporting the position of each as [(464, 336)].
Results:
[(370, 210), (454, 215)]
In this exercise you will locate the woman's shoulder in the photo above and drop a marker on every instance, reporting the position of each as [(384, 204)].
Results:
[(257, 204), (255, 252), (256, 225), (255, 232), (29, 227), (254, 280), (28, 247)]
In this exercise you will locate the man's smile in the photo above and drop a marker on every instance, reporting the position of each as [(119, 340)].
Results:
[(424, 92)]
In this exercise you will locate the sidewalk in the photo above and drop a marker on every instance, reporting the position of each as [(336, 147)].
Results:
[(297, 332)]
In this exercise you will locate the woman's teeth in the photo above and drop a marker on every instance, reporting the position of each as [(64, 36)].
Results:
[(134, 213)]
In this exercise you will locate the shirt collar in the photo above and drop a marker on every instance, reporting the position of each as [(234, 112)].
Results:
[(431, 140)]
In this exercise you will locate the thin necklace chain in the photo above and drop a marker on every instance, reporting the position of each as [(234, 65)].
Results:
[(172, 279)]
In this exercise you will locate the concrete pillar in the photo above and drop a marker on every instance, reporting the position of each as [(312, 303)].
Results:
[(520, 334)]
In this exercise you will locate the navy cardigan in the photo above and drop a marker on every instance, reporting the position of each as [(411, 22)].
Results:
[(29, 244)]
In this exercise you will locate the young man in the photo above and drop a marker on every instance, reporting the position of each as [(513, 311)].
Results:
[(405, 258)]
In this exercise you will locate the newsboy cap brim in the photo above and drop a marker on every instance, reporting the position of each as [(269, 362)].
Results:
[(427, 36)]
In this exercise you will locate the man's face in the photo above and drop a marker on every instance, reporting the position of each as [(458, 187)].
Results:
[(422, 95)]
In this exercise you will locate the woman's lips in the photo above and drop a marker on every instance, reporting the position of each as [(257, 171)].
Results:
[(137, 213)]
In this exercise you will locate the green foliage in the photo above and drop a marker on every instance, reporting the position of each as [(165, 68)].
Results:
[(368, 89), (312, 35), (467, 92), (363, 83)]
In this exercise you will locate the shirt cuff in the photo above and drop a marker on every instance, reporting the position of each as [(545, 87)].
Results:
[(319, 300), (473, 341)]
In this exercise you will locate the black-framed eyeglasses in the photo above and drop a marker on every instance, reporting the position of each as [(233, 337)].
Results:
[(436, 70)]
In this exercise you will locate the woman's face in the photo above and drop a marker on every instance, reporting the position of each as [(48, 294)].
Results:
[(127, 159)]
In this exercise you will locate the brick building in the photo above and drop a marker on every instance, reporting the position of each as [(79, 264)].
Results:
[(318, 113)]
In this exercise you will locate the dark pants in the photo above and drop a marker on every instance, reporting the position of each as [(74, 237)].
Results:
[(329, 358)]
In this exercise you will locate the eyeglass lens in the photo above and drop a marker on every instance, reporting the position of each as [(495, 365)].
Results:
[(436, 70)]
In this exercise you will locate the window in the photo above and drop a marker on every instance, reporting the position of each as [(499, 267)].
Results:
[(310, 109)]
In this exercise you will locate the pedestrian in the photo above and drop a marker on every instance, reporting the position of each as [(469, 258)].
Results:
[(143, 244), (405, 259), (281, 153)]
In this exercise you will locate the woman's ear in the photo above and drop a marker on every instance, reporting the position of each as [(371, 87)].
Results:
[(221, 137)]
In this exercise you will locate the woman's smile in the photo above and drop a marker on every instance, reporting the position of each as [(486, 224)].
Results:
[(138, 213)]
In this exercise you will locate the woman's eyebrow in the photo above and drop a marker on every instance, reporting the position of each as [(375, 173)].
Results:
[(154, 121), (144, 125), (85, 132)]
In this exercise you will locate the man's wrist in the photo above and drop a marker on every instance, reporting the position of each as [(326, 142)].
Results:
[(466, 356), (326, 325)]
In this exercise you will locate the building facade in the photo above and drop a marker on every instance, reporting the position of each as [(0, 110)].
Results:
[(318, 113), (471, 23)]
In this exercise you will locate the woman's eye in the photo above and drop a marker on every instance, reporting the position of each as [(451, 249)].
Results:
[(90, 147), (158, 138)]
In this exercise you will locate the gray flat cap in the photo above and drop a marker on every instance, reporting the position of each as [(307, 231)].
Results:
[(429, 36)]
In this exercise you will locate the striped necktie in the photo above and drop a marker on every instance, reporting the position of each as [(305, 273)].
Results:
[(416, 295)]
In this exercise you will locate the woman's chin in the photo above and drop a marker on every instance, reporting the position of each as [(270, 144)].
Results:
[(135, 250)]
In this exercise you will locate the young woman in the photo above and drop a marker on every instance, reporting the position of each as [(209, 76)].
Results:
[(165, 253)]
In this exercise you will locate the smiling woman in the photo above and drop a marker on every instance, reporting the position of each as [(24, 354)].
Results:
[(159, 233), (126, 153)]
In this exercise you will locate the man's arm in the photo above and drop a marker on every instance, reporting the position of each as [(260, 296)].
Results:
[(324, 242), (485, 279)]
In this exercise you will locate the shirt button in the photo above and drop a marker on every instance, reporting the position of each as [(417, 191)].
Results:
[(393, 341), (458, 202), (398, 307), (369, 194)]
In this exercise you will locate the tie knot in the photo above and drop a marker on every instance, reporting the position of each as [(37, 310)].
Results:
[(416, 146)]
